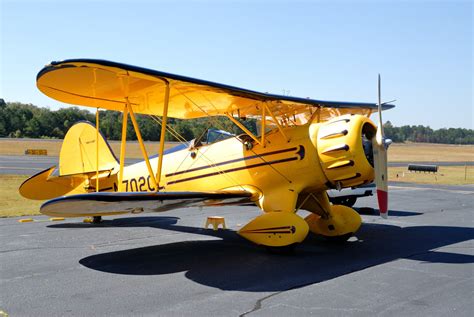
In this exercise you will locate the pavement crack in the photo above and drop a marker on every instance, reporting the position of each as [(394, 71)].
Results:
[(258, 303)]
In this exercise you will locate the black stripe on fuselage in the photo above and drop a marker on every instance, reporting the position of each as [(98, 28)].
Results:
[(231, 161), (233, 170)]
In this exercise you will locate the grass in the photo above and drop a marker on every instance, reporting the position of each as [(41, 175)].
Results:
[(18, 146), (447, 175), (427, 152), (12, 204)]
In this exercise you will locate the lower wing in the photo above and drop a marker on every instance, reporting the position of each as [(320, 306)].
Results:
[(106, 203)]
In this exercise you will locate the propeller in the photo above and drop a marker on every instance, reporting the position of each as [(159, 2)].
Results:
[(379, 145)]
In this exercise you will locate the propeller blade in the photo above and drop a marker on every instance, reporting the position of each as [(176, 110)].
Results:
[(380, 161)]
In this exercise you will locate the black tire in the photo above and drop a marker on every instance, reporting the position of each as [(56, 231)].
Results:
[(96, 219), (339, 239), (346, 201), (366, 211)]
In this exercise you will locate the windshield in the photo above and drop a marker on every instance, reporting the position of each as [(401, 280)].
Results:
[(214, 135)]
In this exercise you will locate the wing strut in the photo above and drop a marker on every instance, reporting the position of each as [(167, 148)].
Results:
[(96, 136), (240, 125), (142, 146), (315, 115), (276, 122), (264, 122), (97, 150), (123, 146), (163, 132)]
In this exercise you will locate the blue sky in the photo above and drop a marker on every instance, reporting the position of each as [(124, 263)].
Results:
[(330, 50)]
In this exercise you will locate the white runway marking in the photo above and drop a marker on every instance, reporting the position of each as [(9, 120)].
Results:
[(20, 168), (457, 191)]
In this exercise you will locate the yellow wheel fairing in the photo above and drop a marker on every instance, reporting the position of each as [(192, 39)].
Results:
[(342, 220), (276, 229)]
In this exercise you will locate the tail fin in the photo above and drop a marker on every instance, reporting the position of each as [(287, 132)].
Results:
[(79, 150), (77, 166)]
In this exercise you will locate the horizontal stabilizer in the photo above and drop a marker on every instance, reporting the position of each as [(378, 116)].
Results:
[(44, 186)]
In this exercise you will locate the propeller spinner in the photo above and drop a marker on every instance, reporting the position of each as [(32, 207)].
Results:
[(379, 145)]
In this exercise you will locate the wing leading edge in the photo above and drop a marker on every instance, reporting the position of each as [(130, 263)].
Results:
[(110, 85), (100, 204)]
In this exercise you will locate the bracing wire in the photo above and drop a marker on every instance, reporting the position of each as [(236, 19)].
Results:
[(181, 139), (241, 141)]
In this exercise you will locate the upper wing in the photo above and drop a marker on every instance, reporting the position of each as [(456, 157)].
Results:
[(99, 204), (108, 85)]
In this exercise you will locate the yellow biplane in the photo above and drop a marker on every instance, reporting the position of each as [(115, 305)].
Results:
[(303, 147)]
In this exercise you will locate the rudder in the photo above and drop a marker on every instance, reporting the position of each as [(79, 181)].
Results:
[(78, 151)]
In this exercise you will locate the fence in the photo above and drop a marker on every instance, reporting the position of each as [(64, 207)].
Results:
[(36, 152)]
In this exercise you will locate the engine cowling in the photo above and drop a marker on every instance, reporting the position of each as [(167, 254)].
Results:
[(344, 150)]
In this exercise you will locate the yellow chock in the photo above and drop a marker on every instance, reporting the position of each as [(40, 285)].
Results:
[(215, 221), (26, 220), (87, 220), (3, 314), (56, 219)]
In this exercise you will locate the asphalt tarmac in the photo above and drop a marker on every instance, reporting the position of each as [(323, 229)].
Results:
[(30, 165), (419, 262)]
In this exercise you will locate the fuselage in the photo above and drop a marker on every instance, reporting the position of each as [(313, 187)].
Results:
[(276, 172), (278, 167)]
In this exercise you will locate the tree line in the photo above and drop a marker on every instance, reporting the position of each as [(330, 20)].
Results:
[(419, 133), (18, 120)]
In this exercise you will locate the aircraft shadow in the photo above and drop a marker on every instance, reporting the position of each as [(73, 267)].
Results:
[(235, 264), (392, 213), (159, 221), (150, 221)]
